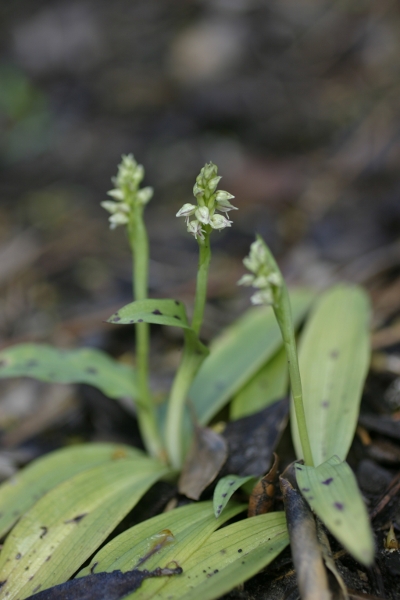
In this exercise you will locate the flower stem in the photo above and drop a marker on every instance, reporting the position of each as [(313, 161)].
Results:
[(146, 413), (284, 317), (190, 362), (201, 283)]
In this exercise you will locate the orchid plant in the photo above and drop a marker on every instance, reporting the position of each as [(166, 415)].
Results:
[(62, 507)]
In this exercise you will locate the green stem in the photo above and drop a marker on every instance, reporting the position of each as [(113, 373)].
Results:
[(284, 317), (201, 283), (146, 413), (190, 363)]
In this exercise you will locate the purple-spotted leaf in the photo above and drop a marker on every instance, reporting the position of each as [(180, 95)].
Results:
[(229, 557), (85, 365), (25, 488), (169, 538), (59, 533), (333, 359), (238, 354), (332, 492), (160, 312), (224, 490)]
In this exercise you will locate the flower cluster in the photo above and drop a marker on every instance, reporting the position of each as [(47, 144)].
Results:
[(126, 193), (266, 276), (208, 201)]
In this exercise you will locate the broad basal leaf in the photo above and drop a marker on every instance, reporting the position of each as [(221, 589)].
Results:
[(168, 539), (85, 365), (229, 557), (25, 488), (333, 359), (268, 385), (332, 492), (224, 490), (161, 312), (238, 354), (65, 526)]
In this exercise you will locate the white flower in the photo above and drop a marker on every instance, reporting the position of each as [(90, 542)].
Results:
[(203, 214), (194, 227), (118, 219), (263, 297), (110, 206), (144, 195), (246, 280), (187, 210), (116, 194), (219, 222)]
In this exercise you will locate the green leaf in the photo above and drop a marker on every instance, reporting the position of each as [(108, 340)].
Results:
[(333, 358), (224, 490), (169, 537), (68, 524), (25, 488), (332, 492), (229, 557), (237, 355), (85, 365), (267, 386), (160, 312)]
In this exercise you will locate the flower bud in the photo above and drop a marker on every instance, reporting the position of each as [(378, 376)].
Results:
[(221, 196), (263, 297), (212, 184), (209, 171)]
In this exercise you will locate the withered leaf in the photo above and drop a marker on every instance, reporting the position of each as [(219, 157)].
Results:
[(252, 440), (306, 552), (261, 499), (102, 586), (206, 456)]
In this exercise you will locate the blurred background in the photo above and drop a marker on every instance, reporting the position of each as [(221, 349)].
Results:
[(297, 101)]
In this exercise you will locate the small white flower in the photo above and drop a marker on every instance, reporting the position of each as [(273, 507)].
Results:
[(144, 195), (225, 206), (116, 194), (246, 280), (263, 297), (194, 227), (203, 214), (187, 210), (275, 279), (198, 191), (219, 222), (118, 219), (110, 206)]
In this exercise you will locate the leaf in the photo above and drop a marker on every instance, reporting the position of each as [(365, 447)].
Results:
[(225, 489), (54, 538), (267, 386), (102, 586), (206, 456), (237, 354), (333, 359), (332, 492), (85, 365), (160, 312), (189, 528), (25, 488), (229, 557)]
